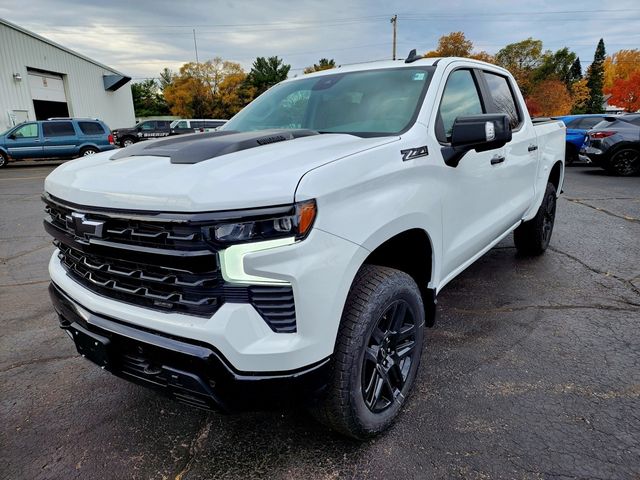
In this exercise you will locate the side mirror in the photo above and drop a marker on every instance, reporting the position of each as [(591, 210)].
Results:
[(476, 132), (12, 136)]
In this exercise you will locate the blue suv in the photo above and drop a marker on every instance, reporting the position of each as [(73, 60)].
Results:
[(577, 126), (55, 138)]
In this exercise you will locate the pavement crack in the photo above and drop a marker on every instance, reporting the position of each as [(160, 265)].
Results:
[(196, 446), (22, 254), (627, 283), (38, 361), (520, 308), (24, 284), (623, 217)]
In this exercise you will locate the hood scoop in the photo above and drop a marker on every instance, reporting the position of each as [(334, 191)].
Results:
[(198, 147)]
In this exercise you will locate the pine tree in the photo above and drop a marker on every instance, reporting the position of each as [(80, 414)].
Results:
[(576, 70), (595, 80)]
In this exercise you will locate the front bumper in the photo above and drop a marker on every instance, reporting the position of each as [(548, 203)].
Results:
[(191, 372), (319, 269)]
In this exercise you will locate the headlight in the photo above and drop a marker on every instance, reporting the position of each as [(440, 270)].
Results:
[(296, 223)]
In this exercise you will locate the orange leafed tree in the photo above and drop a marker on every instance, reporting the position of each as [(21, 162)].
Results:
[(626, 93), (620, 65), (550, 98)]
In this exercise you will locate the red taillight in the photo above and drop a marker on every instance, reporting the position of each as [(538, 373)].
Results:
[(111, 139), (603, 134)]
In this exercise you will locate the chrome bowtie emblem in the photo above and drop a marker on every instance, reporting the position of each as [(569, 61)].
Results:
[(82, 226)]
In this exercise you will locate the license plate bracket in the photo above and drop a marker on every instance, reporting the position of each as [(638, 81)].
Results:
[(90, 345)]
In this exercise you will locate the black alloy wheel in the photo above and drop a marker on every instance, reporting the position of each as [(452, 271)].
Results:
[(388, 357)]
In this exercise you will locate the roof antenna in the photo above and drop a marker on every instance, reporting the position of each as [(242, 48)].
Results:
[(413, 57)]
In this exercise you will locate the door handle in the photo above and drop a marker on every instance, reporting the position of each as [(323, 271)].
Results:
[(532, 148), (497, 159)]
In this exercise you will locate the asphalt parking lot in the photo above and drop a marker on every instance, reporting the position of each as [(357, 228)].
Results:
[(533, 371)]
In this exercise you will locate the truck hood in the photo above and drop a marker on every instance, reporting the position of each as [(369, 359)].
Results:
[(263, 176)]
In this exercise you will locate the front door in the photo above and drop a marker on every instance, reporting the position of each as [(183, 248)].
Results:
[(471, 217), (24, 141)]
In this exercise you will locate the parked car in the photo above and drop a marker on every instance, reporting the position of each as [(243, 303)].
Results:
[(299, 250), (614, 144), (55, 138), (577, 127), (142, 131), (189, 125)]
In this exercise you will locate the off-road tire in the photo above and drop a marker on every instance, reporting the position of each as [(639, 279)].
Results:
[(533, 237), (342, 406)]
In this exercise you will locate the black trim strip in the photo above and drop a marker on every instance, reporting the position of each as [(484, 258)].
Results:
[(66, 306)]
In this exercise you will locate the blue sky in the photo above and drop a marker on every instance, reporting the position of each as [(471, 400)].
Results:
[(141, 37)]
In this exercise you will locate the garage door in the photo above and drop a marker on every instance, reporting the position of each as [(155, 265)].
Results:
[(47, 86)]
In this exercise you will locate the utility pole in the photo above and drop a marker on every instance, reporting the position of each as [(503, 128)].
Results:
[(394, 22), (195, 45)]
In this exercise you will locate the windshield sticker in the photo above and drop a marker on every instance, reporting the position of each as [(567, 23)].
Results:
[(419, 76)]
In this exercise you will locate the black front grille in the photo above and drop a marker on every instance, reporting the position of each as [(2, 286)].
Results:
[(163, 264)]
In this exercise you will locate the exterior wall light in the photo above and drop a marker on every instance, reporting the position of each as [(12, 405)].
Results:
[(17, 77)]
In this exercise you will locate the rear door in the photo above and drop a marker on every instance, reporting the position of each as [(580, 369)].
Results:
[(518, 172), (25, 141), (60, 139)]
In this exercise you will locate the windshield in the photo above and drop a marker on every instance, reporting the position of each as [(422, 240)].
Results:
[(367, 103)]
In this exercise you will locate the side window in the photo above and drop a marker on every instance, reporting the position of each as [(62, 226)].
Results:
[(30, 130), (460, 98), (575, 123), (164, 124), (589, 122), (148, 126), (57, 129), (182, 124), (91, 128), (197, 124), (503, 98)]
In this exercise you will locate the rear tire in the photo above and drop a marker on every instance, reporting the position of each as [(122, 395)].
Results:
[(86, 151), (377, 354), (624, 162), (533, 237), (4, 160)]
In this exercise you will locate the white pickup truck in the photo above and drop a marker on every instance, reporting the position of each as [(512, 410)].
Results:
[(297, 252)]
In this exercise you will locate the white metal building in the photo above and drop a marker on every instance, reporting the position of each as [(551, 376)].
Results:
[(40, 79)]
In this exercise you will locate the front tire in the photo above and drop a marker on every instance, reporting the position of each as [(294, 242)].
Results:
[(533, 237), (377, 353)]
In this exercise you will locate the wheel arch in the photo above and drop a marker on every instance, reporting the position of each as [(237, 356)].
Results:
[(556, 176), (411, 251)]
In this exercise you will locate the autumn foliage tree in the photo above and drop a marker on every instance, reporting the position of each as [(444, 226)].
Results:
[(626, 93), (550, 98), (455, 44), (620, 66), (213, 89)]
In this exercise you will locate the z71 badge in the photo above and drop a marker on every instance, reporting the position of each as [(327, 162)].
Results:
[(411, 153)]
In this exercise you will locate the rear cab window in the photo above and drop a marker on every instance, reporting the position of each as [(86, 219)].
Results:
[(58, 129), (91, 128), (504, 100)]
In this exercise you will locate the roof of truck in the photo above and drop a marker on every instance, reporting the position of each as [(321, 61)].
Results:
[(380, 64)]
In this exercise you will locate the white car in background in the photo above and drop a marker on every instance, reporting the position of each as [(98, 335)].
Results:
[(189, 125)]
